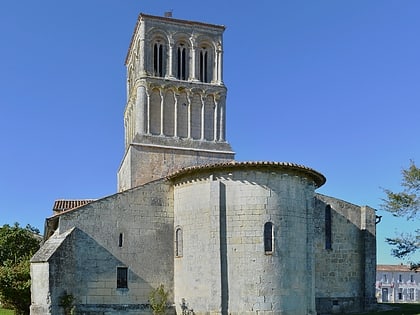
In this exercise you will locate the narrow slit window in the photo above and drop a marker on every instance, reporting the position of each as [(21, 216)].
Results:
[(120, 240), (122, 277), (328, 228), (268, 237), (178, 242)]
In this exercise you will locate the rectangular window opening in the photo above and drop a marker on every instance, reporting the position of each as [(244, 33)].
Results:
[(122, 277), (411, 294), (268, 237)]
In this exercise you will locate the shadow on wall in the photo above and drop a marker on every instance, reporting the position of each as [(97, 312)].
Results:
[(345, 258), (97, 281)]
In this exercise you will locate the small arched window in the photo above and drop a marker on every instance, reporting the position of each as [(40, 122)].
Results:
[(181, 73), (268, 237), (328, 228), (158, 59), (178, 242), (203, 65)]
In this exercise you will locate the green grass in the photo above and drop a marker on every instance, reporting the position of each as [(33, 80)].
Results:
[(6, 312), (397, 309)]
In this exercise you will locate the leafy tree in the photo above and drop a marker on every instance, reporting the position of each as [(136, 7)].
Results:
[(17, 245), (405, 204)]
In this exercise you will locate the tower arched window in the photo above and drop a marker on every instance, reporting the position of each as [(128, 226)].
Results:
[(178, 242), (203, 65), (181, 73), (268, 237), (158, 60)]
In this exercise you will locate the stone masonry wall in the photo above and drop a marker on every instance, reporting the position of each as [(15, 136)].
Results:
[(197, 270), (222, 216), (149, 163), (342, 271), (144, 217)]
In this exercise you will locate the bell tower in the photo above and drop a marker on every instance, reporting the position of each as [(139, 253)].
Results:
[(175, 115)]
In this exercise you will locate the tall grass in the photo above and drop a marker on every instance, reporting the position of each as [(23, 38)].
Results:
[(398, 309), (6, 312)]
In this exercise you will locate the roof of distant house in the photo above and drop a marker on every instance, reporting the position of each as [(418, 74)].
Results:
[(393, 268)]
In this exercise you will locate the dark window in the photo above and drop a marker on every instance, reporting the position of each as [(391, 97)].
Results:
[(178, 242), (268, 237), (400, 294), (182, 63), (158, 59), (122, 277), (399, 278), (203, 66), (411, 294), (328, 234), (411, 278), (385, 278), (120, 240)]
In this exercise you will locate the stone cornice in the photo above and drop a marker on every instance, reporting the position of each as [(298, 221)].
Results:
[(317, 177)]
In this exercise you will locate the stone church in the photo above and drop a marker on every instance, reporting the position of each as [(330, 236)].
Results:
[(221, 236)]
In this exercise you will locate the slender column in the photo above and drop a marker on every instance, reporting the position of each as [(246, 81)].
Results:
[(161, 110), (127, 85), (176, 115), (193, 60), (126, 133), (148, 111), (215, 111), (141, 60), (222, 122), (219, 65), (148, 57), (202, 116), (130, 123), (189, 115), (193, 74), (139, 126), (170, 66)]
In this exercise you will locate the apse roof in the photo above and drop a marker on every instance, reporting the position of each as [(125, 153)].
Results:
[(317, 177)]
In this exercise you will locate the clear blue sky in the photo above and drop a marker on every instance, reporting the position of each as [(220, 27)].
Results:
[(333, 85)]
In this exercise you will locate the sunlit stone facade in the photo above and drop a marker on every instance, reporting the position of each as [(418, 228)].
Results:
[(221, 236)]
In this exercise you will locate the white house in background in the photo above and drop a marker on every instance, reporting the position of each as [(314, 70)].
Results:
[(397, 284)]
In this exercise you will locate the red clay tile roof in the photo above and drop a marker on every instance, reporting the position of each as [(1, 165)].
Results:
[(318, 178), (393, 268), (67, 204)]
